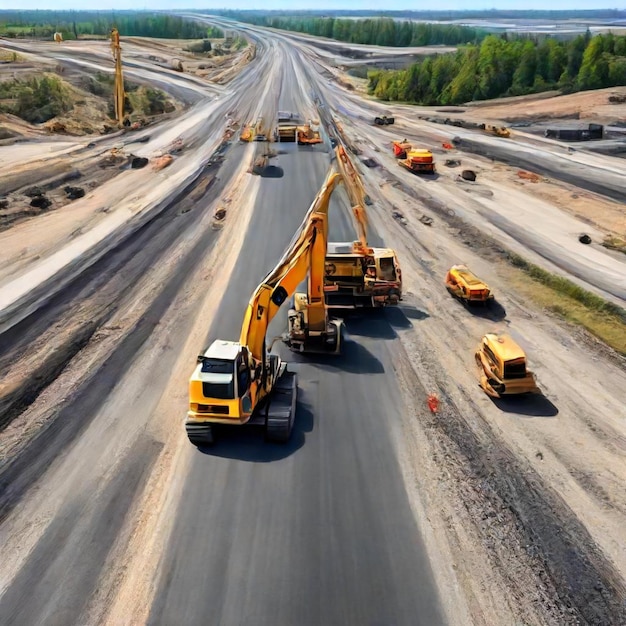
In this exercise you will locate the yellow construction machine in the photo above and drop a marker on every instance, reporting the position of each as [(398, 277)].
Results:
[(242, 382), (358, 275), (418, 161), (254, 132), (465, 285), (307, 136), (503, 365), (118, 93), (498, 131)]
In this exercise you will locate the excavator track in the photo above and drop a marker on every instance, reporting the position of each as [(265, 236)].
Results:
[(199, 434), (281, 410)]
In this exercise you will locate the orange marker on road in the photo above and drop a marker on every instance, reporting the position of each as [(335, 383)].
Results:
[(433, 402)]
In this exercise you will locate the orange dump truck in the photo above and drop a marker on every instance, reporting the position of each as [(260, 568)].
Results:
[(418, 161)]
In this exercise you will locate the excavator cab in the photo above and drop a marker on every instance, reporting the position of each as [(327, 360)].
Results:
[(220, 384)]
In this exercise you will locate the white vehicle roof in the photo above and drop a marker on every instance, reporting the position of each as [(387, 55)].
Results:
[(226, 350)]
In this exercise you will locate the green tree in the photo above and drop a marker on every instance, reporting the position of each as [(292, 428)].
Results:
[(594, 69)]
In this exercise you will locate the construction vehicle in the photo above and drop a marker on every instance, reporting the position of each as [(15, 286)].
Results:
[(418, 161), (307, 136), (285, 132), (383, 120), (358, 275), (288, 130), (499, 131), (400, 148), (241, 382), (503, 365), (254, 132), (119, 96), (465, 285)]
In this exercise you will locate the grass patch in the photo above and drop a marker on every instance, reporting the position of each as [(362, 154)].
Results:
[(603, 319), (148, 101), (9, 56), (239, 43), (615, 243)]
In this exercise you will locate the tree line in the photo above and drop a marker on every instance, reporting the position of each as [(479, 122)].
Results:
[(435, 15), (375, 31), (73, 24), (507, 66)]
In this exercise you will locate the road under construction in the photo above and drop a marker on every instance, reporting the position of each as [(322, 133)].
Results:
[(404, 494)]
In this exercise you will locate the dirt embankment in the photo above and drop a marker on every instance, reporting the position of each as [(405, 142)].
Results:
[(601, 104)]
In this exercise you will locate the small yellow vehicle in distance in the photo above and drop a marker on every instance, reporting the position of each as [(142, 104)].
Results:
[(465, 285), (504, 368)]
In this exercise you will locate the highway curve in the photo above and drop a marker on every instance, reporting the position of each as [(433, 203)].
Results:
[(318, 531)]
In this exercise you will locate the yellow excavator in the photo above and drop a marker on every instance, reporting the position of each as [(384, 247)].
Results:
[(241, 382)]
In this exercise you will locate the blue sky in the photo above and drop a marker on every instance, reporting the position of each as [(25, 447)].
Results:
[(299, 4)]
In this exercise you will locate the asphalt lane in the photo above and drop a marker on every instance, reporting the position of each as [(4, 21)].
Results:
[(318, 531)]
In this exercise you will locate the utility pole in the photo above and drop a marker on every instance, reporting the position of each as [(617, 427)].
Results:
[(118, 93)]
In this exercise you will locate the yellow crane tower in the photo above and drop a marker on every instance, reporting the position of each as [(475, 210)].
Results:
[(118, 93)]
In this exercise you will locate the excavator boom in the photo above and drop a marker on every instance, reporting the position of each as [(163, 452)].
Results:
[(304, 257), (356, 193)]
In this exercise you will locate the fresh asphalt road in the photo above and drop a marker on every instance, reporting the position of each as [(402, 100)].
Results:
[(319, 531)]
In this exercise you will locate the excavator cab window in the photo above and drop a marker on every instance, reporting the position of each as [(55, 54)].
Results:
[(279, 295), (221, 383), (387, 269), (216, 366), (515, 368), (243, 376)]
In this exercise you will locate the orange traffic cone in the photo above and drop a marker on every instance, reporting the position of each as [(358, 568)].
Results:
[(433, 402)]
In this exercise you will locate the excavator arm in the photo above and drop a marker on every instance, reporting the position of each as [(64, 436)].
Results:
[(305, 256), (356, 194)]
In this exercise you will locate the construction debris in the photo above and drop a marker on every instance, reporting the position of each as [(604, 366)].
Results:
[(584, 238), (452, 162), (529, 176), (138, 162), (428, 221), (468, 175), (73, 193), (161, 162), (40, 202)]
